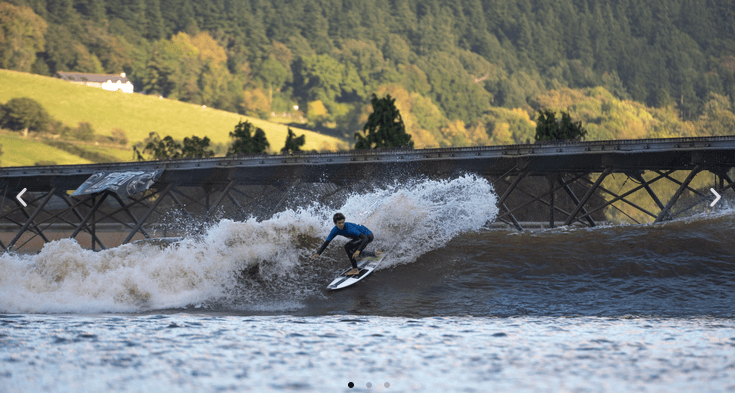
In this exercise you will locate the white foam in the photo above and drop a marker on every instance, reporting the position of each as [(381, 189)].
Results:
[(407, 219)]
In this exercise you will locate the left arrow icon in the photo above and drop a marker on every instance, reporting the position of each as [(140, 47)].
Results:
[(21, 194)]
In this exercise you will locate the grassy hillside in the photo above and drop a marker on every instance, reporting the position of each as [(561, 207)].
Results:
[(19, 151), (138, 115)]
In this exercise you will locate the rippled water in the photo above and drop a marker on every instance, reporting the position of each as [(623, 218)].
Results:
[(190, 352), (454, 307)]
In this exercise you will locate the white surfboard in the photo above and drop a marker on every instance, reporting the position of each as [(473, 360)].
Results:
[(366, 266)]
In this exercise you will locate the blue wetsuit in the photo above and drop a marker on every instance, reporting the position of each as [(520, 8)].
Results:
[(360, 237)]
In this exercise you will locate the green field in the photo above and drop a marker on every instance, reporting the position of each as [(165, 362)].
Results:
[(19, 151), (138, 114)]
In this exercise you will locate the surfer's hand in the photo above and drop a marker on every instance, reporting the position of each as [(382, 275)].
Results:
[(354, 256), (315, 256)]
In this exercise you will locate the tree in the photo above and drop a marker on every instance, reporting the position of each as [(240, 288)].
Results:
[(168, 148), (247, 139), (549, 129), (21, 37), (158, 148), (196, 147), (384, 127), (24, 114), (293, 144)]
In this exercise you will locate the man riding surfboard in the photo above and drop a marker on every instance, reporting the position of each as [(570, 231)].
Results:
[(359, 237)]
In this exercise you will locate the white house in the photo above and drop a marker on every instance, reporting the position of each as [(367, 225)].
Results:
[(111, 82)]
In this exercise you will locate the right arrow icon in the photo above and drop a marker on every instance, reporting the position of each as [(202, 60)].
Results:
[(717, 197)]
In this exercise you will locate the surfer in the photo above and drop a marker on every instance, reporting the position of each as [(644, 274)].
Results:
[(360, 237)]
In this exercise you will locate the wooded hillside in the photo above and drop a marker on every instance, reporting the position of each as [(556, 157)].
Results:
[(463, 72)]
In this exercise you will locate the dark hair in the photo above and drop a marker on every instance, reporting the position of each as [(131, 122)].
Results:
[(337, 217)]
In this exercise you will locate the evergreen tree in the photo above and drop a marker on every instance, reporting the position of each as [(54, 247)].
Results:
[(384, 127), (155, 28), (293, 143), (247, 139), (549, 129)]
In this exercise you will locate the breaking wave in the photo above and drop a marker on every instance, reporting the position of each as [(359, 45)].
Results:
[(255, 264)]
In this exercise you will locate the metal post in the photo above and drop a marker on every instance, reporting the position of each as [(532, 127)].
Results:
[(551, 200), (665, 212), (32, 217), (587, 196), (94, 224), (2, 207)]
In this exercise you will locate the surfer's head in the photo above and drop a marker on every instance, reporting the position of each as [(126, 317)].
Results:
[(339, 220)]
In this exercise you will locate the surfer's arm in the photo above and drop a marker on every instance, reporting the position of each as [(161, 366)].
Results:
[(322, 248)]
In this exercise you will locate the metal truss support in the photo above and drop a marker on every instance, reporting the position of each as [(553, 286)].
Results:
[(34, 225), (31, 218), (221, 196), (73, 208), (721, 189), (664, 214), (512, 186), (587, 196), (538, 198), (513, 219), (162, 195), (129, 213), (504, 175), (176, 200), (686, 187), (575, 200), (285, 195), (236, 203), (89, 216), (622, 197), (649, 190)]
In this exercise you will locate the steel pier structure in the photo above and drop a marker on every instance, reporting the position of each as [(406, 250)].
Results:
[(564, 180)]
